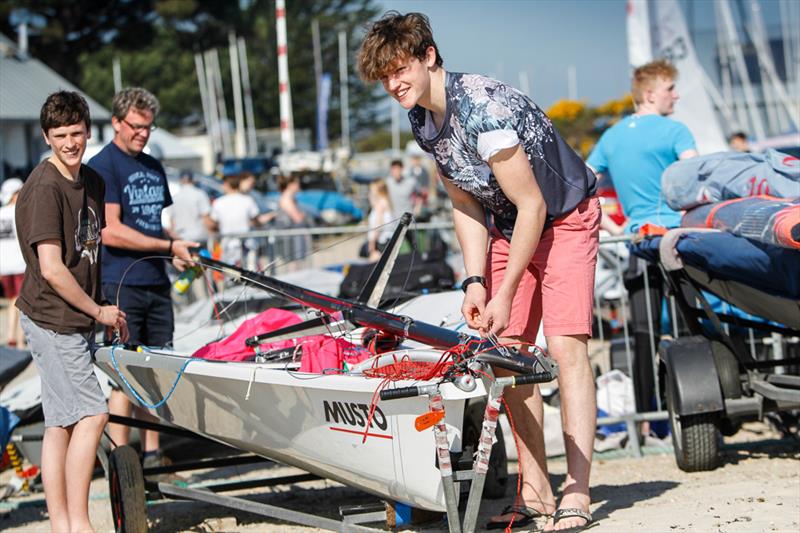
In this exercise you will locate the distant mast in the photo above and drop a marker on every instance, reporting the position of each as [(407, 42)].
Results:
[(640, 50), (284, 88)]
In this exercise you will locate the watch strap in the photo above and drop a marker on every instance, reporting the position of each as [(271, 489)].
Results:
[(473, 279)]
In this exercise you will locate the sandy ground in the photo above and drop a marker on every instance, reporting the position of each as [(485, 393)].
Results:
[(757, 488)]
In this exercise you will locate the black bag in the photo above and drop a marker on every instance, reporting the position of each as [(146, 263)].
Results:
[(411, 276)]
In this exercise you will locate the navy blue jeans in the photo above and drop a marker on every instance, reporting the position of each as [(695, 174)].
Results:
[(148, 310)]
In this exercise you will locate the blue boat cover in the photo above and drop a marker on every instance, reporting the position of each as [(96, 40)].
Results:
[(724, 256)]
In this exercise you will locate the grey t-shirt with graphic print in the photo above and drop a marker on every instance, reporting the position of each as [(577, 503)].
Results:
[(484, 116)]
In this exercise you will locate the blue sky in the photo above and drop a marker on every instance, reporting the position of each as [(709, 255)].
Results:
[(543, 37)]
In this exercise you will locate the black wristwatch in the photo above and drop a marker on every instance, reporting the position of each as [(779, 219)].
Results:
[(473, 279)]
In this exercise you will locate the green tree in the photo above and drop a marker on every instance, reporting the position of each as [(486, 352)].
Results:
[(162, 68), (156, 40), (61, 30)]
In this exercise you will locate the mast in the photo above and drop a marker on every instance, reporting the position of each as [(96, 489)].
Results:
[(201, 84), (252, 144), (227, 149), (238, 112), (572, 82), (524, 83), (759, 37), (213, 109), (735, 47), (344, 90), (284, 86), (321, 143), (725, 74), (640, 50), (117, 74)]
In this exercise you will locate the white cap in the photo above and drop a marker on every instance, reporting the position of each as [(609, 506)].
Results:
[(10, 186)]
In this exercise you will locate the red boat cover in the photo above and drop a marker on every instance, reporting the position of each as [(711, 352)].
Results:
[(320, 353)]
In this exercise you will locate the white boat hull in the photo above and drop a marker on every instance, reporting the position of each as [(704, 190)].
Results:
[(311, 421)]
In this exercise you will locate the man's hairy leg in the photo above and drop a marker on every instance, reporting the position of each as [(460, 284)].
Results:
[(525, 405), (578, 419)]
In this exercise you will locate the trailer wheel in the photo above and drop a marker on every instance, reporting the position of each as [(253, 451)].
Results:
[(695, 438), (126, 491), (728, 370), (496, 480)]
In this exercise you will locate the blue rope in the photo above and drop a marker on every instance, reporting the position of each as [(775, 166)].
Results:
[(136, 394)]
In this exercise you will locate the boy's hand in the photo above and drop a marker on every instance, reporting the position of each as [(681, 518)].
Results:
[(496, 315), (474, 304), (110, 315)]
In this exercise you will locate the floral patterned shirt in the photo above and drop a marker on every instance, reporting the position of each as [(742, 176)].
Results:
[(484, 116)]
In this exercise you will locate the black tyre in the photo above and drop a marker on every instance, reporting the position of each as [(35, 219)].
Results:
[(126, 490), (728, 370), (695, 438), (497, 476)]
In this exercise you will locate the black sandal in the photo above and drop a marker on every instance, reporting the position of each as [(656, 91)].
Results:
[(572, 512), (526, 514)]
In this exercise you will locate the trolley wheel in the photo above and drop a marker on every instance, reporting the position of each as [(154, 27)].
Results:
[(695, 438), (728, 370), (496, 481), (126, 491)]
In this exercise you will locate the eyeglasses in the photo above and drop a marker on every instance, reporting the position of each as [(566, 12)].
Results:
[(140, 127)]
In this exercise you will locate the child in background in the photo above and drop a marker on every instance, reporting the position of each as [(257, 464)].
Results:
[(380, 217), (12, 265)]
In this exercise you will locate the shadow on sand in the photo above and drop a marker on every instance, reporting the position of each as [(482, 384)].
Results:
[(24, 512), (616, 497), (784, 448)]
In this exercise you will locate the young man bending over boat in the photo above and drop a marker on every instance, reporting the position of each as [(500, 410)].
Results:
[(59, 217), (499, 155)]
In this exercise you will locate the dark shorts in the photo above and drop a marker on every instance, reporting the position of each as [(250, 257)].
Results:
[(148, 310)]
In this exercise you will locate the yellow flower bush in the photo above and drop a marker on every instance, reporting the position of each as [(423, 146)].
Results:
[(581, 125), (565, 110)]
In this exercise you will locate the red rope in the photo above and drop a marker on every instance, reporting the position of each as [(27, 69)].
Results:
[(519, 464), (405, 368)]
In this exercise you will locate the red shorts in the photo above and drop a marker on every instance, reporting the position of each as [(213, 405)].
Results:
[(558, 285), (12, 284)]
